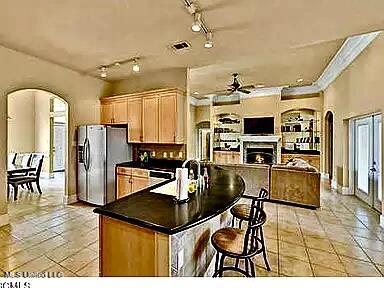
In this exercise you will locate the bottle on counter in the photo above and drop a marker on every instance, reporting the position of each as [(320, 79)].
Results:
[(206, 177), (192, 182)]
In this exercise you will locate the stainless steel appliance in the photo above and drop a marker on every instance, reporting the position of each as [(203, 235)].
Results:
[(99, 149)]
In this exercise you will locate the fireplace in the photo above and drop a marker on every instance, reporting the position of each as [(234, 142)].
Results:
[(260, 149), (260, 155)]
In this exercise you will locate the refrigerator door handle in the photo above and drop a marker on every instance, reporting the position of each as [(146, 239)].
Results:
[(86, 153)]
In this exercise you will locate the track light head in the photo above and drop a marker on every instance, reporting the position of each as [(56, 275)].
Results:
[(136, 66), (208, 41), (103, 71), (196, 25)]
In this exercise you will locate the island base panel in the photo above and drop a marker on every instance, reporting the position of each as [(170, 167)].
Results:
[(129, 250)]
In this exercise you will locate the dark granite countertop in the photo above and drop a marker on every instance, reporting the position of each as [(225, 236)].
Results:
[(159, 212), (154, 164)]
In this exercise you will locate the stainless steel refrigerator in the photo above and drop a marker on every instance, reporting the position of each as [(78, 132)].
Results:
[(99, 149)]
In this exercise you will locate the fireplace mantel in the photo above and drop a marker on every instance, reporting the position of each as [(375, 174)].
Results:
[(257, 138), (251, 141)]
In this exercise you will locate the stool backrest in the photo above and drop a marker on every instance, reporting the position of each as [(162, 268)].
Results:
[(256, 221), (263, 195)]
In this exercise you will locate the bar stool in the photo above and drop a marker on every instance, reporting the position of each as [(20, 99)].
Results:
[(243, 212), (240, 244)]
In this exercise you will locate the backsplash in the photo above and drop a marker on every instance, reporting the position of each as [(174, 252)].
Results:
[(161, 151)]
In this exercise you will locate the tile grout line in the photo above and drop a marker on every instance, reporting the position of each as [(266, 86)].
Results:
[(358, 244), (305, 246)]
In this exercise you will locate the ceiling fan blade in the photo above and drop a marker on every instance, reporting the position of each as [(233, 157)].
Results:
[(248, 87), (244, 91)]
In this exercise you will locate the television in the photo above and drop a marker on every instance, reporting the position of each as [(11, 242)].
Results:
[(259, 126)]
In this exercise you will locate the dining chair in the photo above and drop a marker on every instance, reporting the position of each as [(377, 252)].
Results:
[(26, 180)]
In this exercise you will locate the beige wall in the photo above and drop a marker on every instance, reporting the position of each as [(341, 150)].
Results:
[(357, 91), (202, 113), (152, 80), (80, 91), (42, 126), (21, 122)]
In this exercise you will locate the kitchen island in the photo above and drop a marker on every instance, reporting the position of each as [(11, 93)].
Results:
[(148, 234)]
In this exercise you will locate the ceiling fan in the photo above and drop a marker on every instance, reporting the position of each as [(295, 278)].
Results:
[(235, 86)]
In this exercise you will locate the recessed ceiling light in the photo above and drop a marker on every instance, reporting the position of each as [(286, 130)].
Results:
[(300, 80), (196, 25), (208, 41), (117, 64), (195, 93), (103, 72), (260, 86)]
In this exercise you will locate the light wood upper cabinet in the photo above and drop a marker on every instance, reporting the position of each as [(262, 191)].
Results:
[(114, 111), (120, 112), (167, 114), (151, 119), (134, 116), (106, 113), (153, 116)]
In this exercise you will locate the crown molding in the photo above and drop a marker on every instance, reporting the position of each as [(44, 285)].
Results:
[(352, 47), (349, 51)]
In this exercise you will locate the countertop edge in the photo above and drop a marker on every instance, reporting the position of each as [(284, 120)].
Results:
[(161, 229)]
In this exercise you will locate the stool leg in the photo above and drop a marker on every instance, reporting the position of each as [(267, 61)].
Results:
[(221, 265), (240, 222), (233, 221), (15, 190), (264, 249), (253, 274), (237, 262), (246, 266), (217, 261)]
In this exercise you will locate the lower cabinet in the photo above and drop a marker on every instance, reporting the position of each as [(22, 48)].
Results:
[(124, 185), (130, 180)]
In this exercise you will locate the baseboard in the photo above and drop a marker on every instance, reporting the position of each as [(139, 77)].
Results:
[(344, 190), (4, 220), (70, 199), (334, 184), (324, 175), (382, 220)]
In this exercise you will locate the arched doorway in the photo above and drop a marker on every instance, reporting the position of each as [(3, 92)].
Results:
[(329, 144), (37, 129), (203, 130)]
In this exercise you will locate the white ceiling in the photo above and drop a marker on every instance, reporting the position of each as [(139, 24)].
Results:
[(270, 41)]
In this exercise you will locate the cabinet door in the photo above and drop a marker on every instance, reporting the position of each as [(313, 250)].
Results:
[(167, 116), (124, 185), (151, 119), (120, 112), (106, 113), (139, 183), (134, 111)]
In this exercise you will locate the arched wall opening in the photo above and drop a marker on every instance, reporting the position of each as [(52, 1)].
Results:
[(328, 144), (37, 124)]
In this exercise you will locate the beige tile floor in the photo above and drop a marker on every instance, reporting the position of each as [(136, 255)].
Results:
[(342, 238)]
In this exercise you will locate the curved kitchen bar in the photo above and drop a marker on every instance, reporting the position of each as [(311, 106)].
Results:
[(149, 234)]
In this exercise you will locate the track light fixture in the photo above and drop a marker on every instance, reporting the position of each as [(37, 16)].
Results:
[(103, 71), (136, 66), (196, 25), (208, 40)]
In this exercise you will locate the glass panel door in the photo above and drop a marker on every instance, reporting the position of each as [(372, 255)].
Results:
[(376, 169), (367, 155)]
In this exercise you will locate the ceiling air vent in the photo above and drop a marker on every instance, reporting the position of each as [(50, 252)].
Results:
[(179, 46)]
